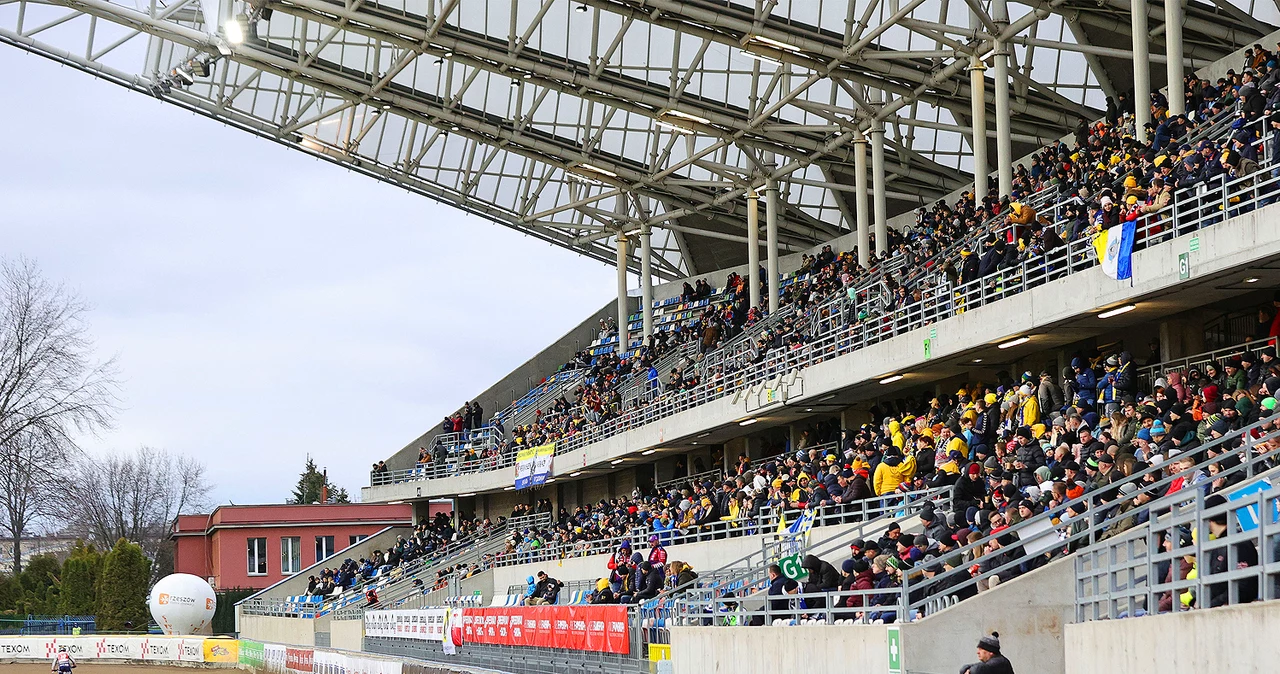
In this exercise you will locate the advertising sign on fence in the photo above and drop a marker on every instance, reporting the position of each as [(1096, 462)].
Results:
[(152, 647), (299, 659), (581, 628), (427, 624), (251, 653)]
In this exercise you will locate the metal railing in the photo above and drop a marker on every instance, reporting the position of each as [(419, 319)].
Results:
[(1149, 373), (1061, 530), (1190, 209), (1142, 573), (524, 659)]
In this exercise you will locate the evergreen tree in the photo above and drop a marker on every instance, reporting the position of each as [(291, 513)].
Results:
[(78, 591), (312, 487), (37, 579), (122, 589), (10, 594)]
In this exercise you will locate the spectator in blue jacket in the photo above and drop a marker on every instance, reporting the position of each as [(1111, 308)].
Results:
[(1086, 383)]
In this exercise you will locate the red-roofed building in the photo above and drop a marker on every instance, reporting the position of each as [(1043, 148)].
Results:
[(255, 546)]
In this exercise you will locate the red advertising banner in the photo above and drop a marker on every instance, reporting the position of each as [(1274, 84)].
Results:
[(299, 659), (581, 628)]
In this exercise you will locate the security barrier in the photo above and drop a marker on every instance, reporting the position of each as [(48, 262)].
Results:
[(146, 648)]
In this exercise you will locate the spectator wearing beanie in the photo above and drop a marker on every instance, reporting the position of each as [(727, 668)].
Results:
[(990, 661)]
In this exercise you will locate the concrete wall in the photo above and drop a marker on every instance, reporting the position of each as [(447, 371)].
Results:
[(1029, 612), (1236, 639), (274, 629), (347, 634), (811, 649), (1049, 312)]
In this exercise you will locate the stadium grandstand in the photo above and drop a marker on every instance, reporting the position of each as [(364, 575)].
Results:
[(945, 335)]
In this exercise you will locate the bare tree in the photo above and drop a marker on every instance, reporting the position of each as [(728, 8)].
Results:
[(51, 390), (137, 496)]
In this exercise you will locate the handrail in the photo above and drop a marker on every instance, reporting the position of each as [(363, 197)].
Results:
[(960, 577), (1190, 209), (1149, 373)]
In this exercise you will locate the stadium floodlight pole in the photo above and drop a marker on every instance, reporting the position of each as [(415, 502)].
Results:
[(1173, 56), (1141, 69), (646, 281), (1004, 146), (877, 189), (860, 190), (624, 339), (977, 85), (753, 247), (771, 242)]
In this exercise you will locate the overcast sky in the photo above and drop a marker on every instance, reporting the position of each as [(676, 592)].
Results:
[(265, 305)]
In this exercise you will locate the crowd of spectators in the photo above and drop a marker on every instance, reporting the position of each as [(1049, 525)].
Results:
[(430, 540)]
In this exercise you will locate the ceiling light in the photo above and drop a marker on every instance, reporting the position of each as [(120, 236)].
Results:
[(977, 360), (704, 435), (808, 409), (550, 480), (671, 127), (685, 115), (748, 422), (1252, 279), (1117, 311), (1014, 342), (775, 44), (528, 76), (694, 442), (597, 169), (647, 452), (448, 54), (616, 462), (891, 378), (236, 28), (470, 493), (508, 489), (575, 474), (823, 400), (758, 57), (455, 127)]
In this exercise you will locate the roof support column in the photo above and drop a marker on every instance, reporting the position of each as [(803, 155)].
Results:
[(877, 189), (1004, 146), (860, 188), (1173, 54), (1141, 69), (624, 338), (977, 85), (771, 242), (753, 247), (646, 281)]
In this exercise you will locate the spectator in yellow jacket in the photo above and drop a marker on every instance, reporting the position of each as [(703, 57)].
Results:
[(1029, 406), (893, 471)]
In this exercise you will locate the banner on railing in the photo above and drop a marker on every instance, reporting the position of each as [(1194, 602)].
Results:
[(299, 659), (533, 465), (327, 662), (274, 657), (581, 628), (160, 648), (427, 624), (252, 654)]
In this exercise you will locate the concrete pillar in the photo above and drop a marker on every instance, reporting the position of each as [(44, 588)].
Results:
[(1004, 147), (646, 281), (624, 338), (1173, 52), (977, 83), (771, 243), (1141, 68), (860, 188), (753, 247), (877, 189)]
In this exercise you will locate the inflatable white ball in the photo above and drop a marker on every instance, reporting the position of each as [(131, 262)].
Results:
[(183, 604)]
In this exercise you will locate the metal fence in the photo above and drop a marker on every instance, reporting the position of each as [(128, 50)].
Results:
[(524, 659), (1149, 373), (1057, 532), (1190, 210), (1179, 562), (46, 624)]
